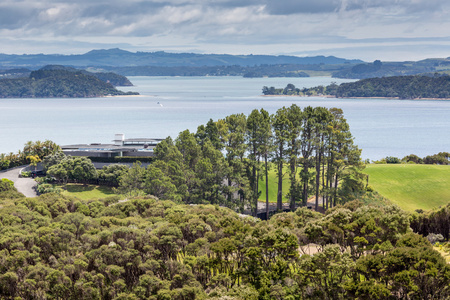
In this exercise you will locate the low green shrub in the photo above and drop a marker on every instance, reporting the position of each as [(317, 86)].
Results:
[(25, 174), (45, 188)]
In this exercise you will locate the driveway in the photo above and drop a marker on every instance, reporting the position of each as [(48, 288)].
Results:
[(26, 186)]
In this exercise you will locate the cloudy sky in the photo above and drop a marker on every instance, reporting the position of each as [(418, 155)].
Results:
[(365, 29)]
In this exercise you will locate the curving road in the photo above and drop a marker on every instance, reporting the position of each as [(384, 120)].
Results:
[(26, 186)]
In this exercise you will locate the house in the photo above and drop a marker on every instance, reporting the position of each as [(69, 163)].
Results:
[(121, 147)]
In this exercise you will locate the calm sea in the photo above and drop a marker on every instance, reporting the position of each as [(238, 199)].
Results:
[(169, 105)]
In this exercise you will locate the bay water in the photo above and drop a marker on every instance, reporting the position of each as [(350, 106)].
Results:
[(169, 105)]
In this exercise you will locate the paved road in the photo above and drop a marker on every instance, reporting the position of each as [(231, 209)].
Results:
[(25, 186)]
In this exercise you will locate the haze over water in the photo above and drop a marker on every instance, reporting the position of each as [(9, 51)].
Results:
[(381, 127)]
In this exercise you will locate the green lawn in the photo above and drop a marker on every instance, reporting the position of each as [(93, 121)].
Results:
[(273, 186), (87, 192), (411, 186)]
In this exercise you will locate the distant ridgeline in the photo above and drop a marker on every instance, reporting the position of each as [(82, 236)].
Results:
[(402, 87), (62, 82), (235, 70), (162, 63)]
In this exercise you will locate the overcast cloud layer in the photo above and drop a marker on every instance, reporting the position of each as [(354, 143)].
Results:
[(365, 29)]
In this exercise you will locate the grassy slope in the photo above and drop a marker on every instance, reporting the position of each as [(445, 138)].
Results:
[(411, 186), (87, 192), (273, 186)]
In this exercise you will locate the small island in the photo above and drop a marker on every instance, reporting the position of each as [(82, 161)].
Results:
[(436, 86), (62, 82)]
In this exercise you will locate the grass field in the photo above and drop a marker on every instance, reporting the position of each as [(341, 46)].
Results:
[(411, 186), (87, 192), (273, 186)]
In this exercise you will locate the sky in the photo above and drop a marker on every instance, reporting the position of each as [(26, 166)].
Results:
[(389, 30)]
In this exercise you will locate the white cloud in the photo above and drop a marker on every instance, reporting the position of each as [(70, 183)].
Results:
[(268, 26)]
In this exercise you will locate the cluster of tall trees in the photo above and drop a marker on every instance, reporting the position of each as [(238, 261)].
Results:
[(226, 161), (58, 247), (32, 151), (223, 162)]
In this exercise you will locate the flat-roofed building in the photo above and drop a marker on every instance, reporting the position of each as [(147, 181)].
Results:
[(121, 147)]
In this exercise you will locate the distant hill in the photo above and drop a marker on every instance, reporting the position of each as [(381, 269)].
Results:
[(402, 87), (54, 82), (385, 69), (192, 64), (121, 58), (110, 77), (249, 71)]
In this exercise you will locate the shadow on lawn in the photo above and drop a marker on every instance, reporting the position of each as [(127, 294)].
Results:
[(82, 188)]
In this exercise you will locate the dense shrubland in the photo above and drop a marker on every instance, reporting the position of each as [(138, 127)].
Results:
[(55, 247)]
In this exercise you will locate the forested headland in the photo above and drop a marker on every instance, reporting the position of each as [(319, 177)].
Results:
[(62, 82), (401, 87)]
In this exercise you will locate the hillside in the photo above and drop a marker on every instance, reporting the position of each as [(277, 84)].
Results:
[(385, 69), (411, 186), (235, 70), (401, 87), (57, 83), (110, 77), (162, 63), (120, 58), (60, 247)]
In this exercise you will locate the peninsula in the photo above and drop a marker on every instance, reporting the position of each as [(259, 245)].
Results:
[(435, 86), (62, 82)]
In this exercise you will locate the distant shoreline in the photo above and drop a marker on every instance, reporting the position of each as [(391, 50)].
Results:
[(329, 96), (115, 96)]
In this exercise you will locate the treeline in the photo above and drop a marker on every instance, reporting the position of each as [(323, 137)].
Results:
[(58, 247), (291, 90), (32, 151), (57, 83), (442, 158), (223, 161)]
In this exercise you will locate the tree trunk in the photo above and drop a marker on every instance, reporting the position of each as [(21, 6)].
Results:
[(330, 180), (255, 189), (267, 187), (318, 161), (293, 183), (335, 190), (305, 181), (324, 194), (280, 186)]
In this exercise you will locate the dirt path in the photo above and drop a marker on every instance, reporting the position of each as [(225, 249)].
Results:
[(26, 186)]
